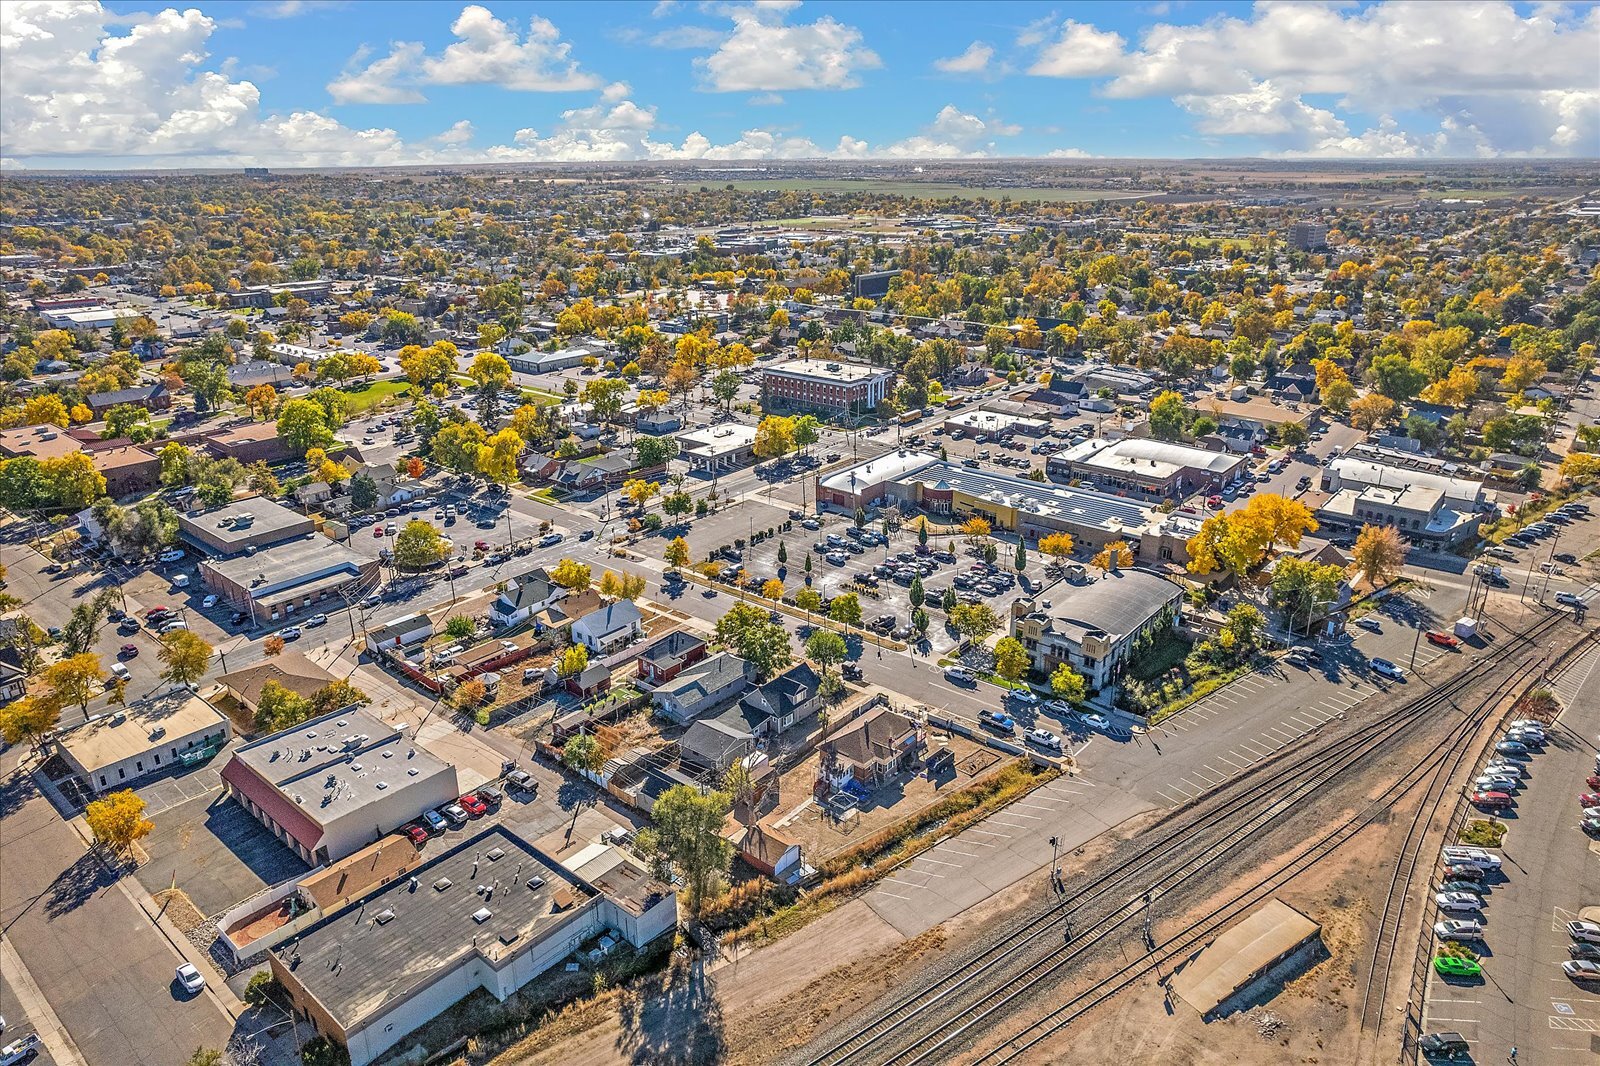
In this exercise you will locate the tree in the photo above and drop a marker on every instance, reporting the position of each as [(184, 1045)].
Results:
[(185, 657), (621, 586), (1113, 556), (1300, 585), (826, 648), (72, 481), (363, 492), (1058, 546), (117, 820), (83, 625), (975, 529), (652, 452), (457, 446), (688, 834), (29, 718), (1397, 377), (425, 367), (677, 553), (571, 574), (808, 599), (459, 627), (974, 621), (917, 592), (640, 492), (604, 397), (573, 661), (1241, 628), (1522, 371), (1581, 468), (1378, 554), (1168, 416), (75, 679), (772, 589), (1020, 560), (1455, 389), (497, 458), (582, 752), (273, 645), (491, 374), (762, 643), (469, 694), (1068, 684), (1010, 658), (279, 708), (419, 545), (1371, 410), (303, 425), (846, 609)]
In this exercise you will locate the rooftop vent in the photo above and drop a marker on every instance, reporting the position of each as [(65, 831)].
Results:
[(442, 884), (382, 785), (412, 771), (482, 914), (385, 915), (356, 767), (536, 883)]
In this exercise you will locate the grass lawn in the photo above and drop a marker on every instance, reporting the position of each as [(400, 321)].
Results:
[(1163, 655), (370, 395), (540, 396)]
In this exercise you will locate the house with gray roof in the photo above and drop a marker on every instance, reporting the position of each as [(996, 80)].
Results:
[(703, 688), (1094, 627), (609, 628), (525, 596)]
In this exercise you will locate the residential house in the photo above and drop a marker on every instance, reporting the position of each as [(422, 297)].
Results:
[(525, 596), (606, 471), (769, 851), (788, 699), (560, 615), (13, 682), (703, 688), (590, 682), (537, 466), (290, 669), (607, 629), (713, 744), (151, 397), (874, 747), (669, 656), (1240, 434)]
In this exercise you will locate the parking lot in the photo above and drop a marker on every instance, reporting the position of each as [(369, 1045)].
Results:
[(1550, 873), (216, 852)]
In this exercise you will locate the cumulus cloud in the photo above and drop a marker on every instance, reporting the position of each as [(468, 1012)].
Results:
[(766, 53), (953, 134), (1493, 79), (487, 51), (975, 60)]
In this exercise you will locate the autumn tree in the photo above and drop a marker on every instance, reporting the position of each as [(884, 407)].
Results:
[(1068, 684), (184, 657), (419, 545), (1058, 546), (1367, 413), (75, 679), (498, 457), (583, 752), (774, 437), (571, 574), (1010, 658), (262, 401), (974, 621), (469, 694), (758, 640), (278, 707), (573, 661), (273, 645), (117, 820), (29, 718), (1168, 416), (677, 553), (1378, 554), (772, 589), (337, 695), (1113, 556)]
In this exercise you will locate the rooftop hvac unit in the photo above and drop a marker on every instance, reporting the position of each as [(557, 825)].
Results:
[(482, 914)]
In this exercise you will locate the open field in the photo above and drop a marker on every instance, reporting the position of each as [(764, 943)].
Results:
[(367, 397)]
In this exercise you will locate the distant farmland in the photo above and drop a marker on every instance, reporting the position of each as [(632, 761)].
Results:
[(925, 190)]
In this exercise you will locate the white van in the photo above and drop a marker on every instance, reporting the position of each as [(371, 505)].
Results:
[(180, 581)]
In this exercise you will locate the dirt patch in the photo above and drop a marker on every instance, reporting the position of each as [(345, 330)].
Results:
[(176, 905)]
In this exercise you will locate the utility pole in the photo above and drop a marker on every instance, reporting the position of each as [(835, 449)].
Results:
[(1149, 934)]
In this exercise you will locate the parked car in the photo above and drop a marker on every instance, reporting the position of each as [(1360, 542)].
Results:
[(1095, 720), (491, 795), (190, 978), (1044, 738), (129, 651), (316, 620), (1445, 1046), (1496, 783), (1443, 640), (997, 720), (435, 821), (473, 805), (1024, 697), (1511, 747), (1463, 872), (959, 675), (1370, 623), (1387, 669), (417, 833), (520, 780), (1463, 885), (1580, 950), (1458, 901), (171, 555), (1458, 929), (1582, 969), (22, 1050), (209, 602), (1451, 966), (851, 672), (1491, 801), (1584, 932), (455, 814)]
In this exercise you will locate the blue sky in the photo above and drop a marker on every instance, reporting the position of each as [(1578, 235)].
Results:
[(312, 83)]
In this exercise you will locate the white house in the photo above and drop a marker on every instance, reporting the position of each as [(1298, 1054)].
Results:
[(609, 628), (525, 596)]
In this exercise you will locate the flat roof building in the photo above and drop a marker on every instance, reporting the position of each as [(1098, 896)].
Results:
[(256, 522), (1094, 626), (1148, 467), (151, 736), (1466, 494), (1231, 962), (996, 424), (827, 387), (334, 784), (721, 447), (290, 578), (492, 913)]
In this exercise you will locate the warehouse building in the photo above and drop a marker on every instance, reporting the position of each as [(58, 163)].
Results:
[(332, 785), (253, 523), (492, 913), (291, 578)]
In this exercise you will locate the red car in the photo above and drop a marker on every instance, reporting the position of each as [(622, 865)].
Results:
[(1589, 799), (417, 832), (129, 651), (1593, 782), (1214, 502), (481, 545), (156, 611), (1444, 640), (473, 805), (377, 531), (1491, 800)]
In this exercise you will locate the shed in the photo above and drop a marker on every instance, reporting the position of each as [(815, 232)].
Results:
[(1244, 953)]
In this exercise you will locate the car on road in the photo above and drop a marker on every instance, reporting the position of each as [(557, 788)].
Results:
[(1458, 901), (1584, 932), (1491, 801), (1451, 966), (190, 978), (316, 620), (129, 651), (1458, 929), (1043, 738), (1444, 1046), (1568, 599), (551, 538), (587, 534), (1443, 640), (371, 601), (1387, 669), (960, 675), (291, 633), (997, 720), (474, 805), (1511, 747), (171, 555), (1582, 969), (417, 833), (1566, 557), (1024, 697), (209, 602), (1369, 623), (851, 672), (22, 1050)]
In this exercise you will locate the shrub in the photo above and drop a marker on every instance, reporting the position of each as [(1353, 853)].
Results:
[(262, 987), (1482, 833)]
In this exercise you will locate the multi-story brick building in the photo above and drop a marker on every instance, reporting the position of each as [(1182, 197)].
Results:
[(825, 387)]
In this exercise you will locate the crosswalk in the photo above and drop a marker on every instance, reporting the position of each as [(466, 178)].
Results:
[(1572, 679)]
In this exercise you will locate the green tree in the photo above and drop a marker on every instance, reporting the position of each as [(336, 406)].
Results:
[(279, 707), (337, 695), (583, 752), (419, 545), (1068, 684), (1020, 561), (918, 593), (687, 834), (974, 621), (303, 425), (1010, 658), (846, 609), (459, 627), (1168, 416), (762, 643), (826, 648), (655, 451), (363, 492)]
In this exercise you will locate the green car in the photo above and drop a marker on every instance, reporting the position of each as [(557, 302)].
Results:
[(1450, 966)]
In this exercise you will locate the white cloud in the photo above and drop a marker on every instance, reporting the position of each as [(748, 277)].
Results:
[(952, 134), (1493, 78), (1067, 153), (687, 37), (459, 133), (1080, 51), (487, 51), (764, 53), (617, 90), (973, 61), (766, 100), (288, 9)]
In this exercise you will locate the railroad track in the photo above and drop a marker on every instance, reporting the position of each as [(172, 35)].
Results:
[(1190, 846)]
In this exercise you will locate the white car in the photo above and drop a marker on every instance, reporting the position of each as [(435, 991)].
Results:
[(171, 555), (1584, 932), (1095, 721), (1024, 697), (1582, 969), (1043, 738), (1387, 669), (1058, 708), (1496, 783), (190, 978), (291, 633), (1370, 623), (209, 601), (316, 620), (1458, 901), (1458, 929), (1506, 768)]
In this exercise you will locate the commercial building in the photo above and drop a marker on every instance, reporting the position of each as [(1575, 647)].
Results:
[(249, 442), (243, 525), (1419, 513), (824, 387), (1095, 626), (723, 447), (1308, 236), (1383, 468), (151, 736), (334, 784), (290, 578), (152, 398), (492, 913), (93, 317), (995, 424), (1020, 505), (1148, 467), (128, 469), (38, 442), (266, 295)]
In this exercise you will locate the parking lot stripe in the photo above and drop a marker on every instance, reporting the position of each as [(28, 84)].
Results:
[(938, 862)]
